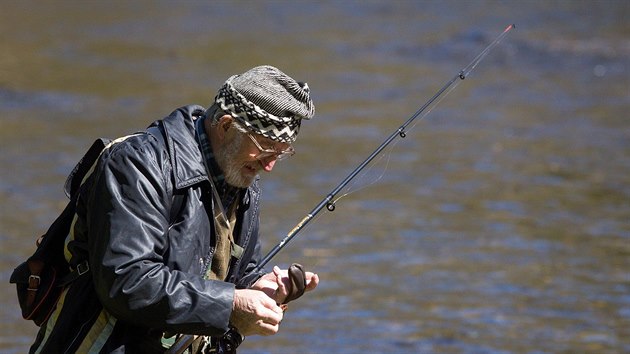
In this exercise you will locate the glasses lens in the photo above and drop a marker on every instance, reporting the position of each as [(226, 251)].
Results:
[(284, 155), (280, 155)]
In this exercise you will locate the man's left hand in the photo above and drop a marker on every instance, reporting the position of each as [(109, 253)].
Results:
[(277, 283)]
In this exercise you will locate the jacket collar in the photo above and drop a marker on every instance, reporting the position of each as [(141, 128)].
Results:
[(183, 148), (186, 158)]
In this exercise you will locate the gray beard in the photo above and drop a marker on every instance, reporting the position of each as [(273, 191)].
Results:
[(231, 171)]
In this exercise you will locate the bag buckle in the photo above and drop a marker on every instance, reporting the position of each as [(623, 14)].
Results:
[(33, 282), (83, 268)]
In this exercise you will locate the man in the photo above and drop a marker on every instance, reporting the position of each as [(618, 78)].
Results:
[(167, 222)]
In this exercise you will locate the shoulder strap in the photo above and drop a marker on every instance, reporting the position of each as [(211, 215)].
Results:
[(50, 246), (73, 182)]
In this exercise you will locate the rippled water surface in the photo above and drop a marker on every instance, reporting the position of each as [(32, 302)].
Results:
[(500, 224)]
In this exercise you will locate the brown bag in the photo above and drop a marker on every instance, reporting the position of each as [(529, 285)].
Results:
[(41, 279)]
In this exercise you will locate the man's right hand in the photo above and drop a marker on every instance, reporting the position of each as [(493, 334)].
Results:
[(253, 312)]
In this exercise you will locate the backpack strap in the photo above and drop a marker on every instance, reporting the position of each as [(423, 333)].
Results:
[(81, 268), (71, 188), (75, 178), (74, 182)]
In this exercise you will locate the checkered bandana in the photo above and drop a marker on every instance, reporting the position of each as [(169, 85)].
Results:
[(268, 102)]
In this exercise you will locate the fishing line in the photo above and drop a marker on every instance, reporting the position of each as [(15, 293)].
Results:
[(363, 175), (417, 117), (388, 153)]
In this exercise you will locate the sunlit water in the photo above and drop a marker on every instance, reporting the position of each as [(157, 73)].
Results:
[(500, 224)]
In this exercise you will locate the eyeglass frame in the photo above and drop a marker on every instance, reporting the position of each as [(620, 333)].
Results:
[(266, 153)]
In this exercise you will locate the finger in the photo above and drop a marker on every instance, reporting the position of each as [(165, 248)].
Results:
[(272, 316), (312, 280), (281, 291), (267, 329), (282, 286), (278, 273), (270, 309)]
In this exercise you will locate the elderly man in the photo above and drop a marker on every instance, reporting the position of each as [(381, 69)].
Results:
[(167, 222)]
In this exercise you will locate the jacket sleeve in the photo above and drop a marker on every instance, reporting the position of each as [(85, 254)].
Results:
[(127, 221)]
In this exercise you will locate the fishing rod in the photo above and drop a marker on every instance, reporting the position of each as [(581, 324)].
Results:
[(328, 202), (231, 340)]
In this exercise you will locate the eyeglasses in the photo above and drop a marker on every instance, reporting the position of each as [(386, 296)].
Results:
[(267, 153)]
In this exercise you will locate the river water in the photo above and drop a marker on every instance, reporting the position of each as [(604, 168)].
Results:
[(500, 224)]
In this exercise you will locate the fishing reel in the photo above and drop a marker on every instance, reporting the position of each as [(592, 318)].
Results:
[(228, 343)]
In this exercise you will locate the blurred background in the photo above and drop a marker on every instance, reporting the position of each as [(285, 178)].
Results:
[(500, 224)]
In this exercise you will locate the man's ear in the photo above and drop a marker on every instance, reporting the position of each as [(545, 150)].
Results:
[(225, 123)]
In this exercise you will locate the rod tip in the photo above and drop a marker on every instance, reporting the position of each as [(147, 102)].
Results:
[(509, 27)]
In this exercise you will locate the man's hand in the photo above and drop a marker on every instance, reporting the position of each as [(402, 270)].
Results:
[(276, 284), (254, 312)]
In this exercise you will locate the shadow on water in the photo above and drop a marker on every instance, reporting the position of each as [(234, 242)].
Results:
[(500, 224)]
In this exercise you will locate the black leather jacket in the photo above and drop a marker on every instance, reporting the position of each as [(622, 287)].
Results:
[(145, 270)]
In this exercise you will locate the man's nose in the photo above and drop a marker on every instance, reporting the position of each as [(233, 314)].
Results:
[(268, 163)]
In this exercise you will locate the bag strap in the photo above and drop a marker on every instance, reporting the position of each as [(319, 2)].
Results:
[(75, 178), (74, 182), (50, 245)]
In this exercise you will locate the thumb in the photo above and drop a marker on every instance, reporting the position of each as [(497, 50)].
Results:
[(281, 291)]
